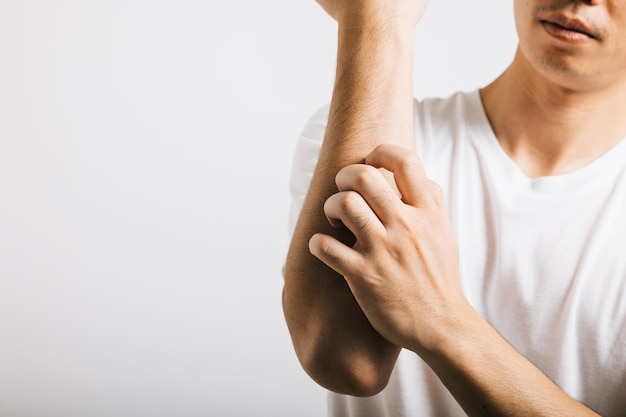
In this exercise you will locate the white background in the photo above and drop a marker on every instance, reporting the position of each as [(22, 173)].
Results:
[(145, 149)]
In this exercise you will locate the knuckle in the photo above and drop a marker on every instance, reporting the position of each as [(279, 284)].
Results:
[(409, 162), (437, 192), (350, 202), (362, 224), (365, 176), (435, 188), (324, 247), (356, 211)]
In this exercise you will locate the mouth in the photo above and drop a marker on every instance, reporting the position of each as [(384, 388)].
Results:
[(568, 29)]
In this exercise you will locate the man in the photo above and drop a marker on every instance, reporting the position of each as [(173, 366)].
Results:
[(468, 255)]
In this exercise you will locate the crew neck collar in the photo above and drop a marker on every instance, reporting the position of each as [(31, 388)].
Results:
[(608, 164)]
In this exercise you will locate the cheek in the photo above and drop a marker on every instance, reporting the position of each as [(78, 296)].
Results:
[(617, 56), (617, 8), (523, 19), (519, 14)]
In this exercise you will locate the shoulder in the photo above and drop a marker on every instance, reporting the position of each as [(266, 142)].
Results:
[(460, 107), (441, 122), (315, 126), (307, 150), (304, 160)]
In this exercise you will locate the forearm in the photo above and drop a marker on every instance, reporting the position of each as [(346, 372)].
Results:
[(488, 377), (373, 95), (372, 103)]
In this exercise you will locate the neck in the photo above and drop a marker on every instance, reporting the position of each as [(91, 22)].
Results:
[(548, 128)]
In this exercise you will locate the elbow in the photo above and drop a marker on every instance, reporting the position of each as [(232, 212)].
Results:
[(345, 355), (358, 375)]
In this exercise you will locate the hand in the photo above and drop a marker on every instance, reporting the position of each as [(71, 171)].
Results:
[(403, 269), (359, 12)]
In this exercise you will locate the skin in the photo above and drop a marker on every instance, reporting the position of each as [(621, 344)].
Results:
[(574, 94), (371, 105), (372, 266)]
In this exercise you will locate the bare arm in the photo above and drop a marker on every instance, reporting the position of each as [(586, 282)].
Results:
[(390, 280), (372, 104), (403, 272)]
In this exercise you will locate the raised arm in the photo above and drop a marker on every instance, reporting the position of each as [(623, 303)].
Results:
[(372, 104)]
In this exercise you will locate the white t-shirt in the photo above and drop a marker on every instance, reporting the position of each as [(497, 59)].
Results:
[(542, 260)]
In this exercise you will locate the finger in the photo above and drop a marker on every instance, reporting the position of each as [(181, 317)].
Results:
[(408, 172), (349, 208), (438, 195), (338, 256), (373, 187)]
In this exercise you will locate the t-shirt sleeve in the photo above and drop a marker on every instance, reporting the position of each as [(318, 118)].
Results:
[(422, 133), (304, 161)]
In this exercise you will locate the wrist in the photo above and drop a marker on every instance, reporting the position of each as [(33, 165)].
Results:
[(390, 16), (376, 54), (377, 33), (456, 332)]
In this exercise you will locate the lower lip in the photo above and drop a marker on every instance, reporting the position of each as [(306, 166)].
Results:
[(566, 35)]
